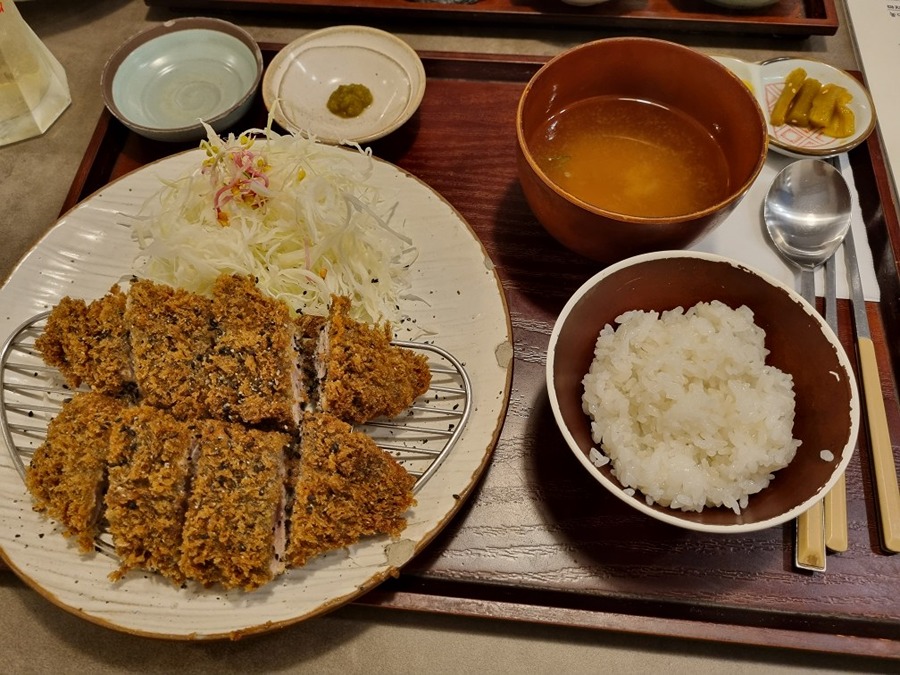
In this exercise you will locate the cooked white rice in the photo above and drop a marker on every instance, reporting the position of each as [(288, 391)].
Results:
[(686, 408)]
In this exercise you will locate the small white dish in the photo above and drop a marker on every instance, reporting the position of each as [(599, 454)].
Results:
[(302, 76), (163, 81), (766, 80)]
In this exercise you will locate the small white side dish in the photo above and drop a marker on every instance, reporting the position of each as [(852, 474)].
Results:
[(766, 79), (302, 76)]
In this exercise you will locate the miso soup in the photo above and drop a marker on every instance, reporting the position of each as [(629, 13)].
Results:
[(632, 157)]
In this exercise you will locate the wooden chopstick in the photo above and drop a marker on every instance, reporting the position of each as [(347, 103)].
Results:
[(880, 448), (809, 546), (809, 528), (836, 538)]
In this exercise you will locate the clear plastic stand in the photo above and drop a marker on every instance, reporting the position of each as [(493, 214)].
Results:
[(33, 86)]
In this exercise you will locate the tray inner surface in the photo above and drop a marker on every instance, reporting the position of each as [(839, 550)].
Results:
[(539, 540)]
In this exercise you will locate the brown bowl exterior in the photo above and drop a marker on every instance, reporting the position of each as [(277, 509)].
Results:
[(800, 343), (649, 69)]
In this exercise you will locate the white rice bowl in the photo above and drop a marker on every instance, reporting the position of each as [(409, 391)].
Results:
[(686, 409)]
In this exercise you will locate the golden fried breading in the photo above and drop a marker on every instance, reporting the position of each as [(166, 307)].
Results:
[(88, 343), (364, 375), (345, 488), (62, 343), (236, 503), (171, 331), (149, 469), (67, 472), (196, 493), (250, 367)]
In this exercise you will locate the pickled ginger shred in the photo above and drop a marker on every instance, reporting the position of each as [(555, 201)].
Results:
[(301, 217)]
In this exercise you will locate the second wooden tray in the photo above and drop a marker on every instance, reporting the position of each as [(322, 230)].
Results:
[(795, 18)]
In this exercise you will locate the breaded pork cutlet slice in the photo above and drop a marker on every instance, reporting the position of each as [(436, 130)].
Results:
[(344, 488), (307, 329), (171, 332), (88, 343), (251, 367), (67, 474), (233, 530), (149, 470), (362, 376)]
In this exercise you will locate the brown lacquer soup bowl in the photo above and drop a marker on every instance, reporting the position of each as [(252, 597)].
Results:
[(630, 145)]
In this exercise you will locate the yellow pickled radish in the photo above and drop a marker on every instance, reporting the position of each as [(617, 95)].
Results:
[(842, 124), (798, 113), (791, 86)]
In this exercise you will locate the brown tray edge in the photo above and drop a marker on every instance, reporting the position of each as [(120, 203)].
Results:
[(826, 22), (637, 624)]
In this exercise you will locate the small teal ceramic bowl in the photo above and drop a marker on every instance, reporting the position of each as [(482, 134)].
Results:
[(163, 81)]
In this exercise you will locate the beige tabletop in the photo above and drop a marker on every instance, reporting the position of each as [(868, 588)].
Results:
[(38, 637)]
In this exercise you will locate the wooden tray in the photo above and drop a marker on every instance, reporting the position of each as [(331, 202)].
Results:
[(798, 18), (539, 540)]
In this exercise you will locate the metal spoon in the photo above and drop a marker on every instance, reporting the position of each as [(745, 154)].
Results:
[(807, 215)]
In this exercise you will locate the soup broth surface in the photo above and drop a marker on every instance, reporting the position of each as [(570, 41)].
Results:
[(632, 157)]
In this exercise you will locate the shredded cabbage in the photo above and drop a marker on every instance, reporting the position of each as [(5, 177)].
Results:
[(301, 217)]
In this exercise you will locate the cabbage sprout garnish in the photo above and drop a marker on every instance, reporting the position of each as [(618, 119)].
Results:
[(301, 217)]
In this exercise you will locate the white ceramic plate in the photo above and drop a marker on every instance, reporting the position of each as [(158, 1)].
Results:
[(89, 249), (767, 80), (302, 76)]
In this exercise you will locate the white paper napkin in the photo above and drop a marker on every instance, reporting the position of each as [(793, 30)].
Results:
[(743, 236)]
